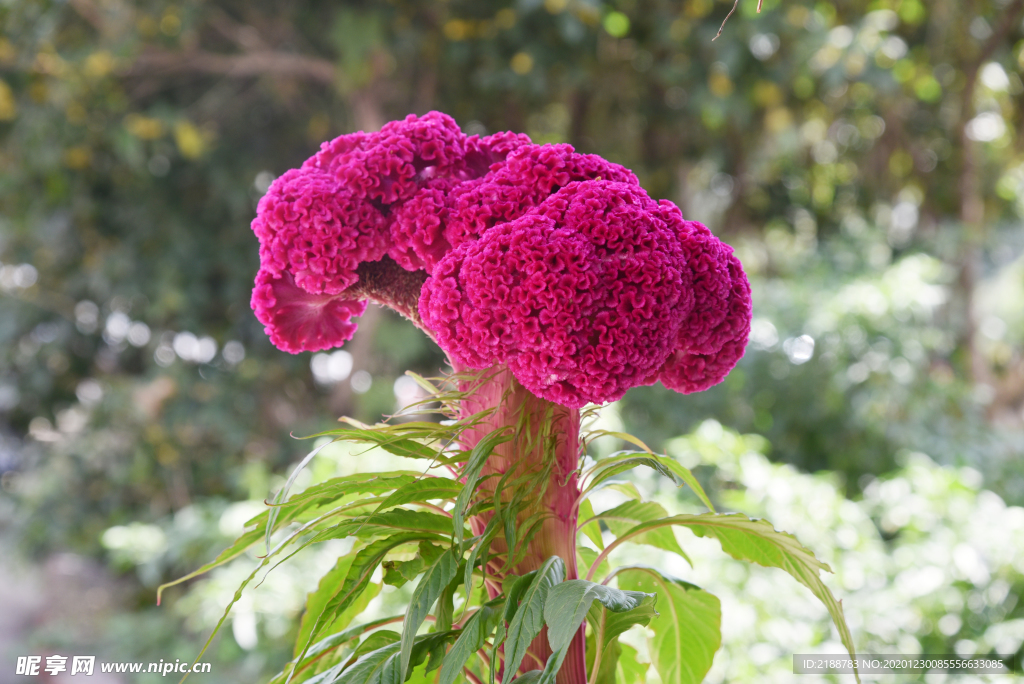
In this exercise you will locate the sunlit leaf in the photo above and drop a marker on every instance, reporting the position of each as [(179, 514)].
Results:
[(429, 589), (529, 616), (687, 632)]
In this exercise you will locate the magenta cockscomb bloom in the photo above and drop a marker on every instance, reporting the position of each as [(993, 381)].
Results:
[(529, 176), (554, 264), (582, 298), (298, 321), (310, 226)]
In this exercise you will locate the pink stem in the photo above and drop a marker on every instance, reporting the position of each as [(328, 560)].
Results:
[(526, 453)]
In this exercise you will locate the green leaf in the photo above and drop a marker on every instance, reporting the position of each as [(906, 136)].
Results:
[(628, 669), (687, 633), (388, 522), (327, 644), (282, 493), (567, 606), (590, 527), (230, 553), (445, 613), (398, 573), (627, 515), (481, 549), (477, 458), (603, 648), (471, 639), (379, 639), (758, 542), (358, 577), (619, 463), (346, 485), (513, 587), (569, 602), (529, 616), (433, 582), (426, 489), (317, 600), (531, 677), (384, 665)]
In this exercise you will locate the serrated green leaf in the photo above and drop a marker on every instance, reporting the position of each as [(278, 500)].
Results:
[(687, 633), (431, 585), (419, 491), (590, 527), (627, 515), (317, 600), (384, 666), (358, 577), (569, 602), (477, 458), (529, 616), (603, 648), (669, 467), (388, 522), (758, 542), (471, 639)]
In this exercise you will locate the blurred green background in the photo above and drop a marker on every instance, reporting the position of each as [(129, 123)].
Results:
[(865, 159)]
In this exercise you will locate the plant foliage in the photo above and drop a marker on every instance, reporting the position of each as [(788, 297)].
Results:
[(469, 616)]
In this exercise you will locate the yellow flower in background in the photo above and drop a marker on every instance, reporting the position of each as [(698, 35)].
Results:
[(189, 139), (98, 64), (720, 84), (78, 158), (7, 52), (8, 108), (522, 63), (144, 127)]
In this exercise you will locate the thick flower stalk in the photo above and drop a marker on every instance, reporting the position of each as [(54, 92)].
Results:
[(551, 273)]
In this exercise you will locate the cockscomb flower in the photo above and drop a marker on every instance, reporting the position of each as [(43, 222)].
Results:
[(363, 199), (528, 176), (551, 263), (582, 298), (297, 321)]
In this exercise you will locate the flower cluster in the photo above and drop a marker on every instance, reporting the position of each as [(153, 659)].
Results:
[(553, 263)]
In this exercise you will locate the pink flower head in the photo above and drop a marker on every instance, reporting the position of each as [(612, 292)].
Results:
[(581, 298), (298, 321), (553, 263), (312, 228), (392, 164), (530, 174), (695, 368), (483, 153)]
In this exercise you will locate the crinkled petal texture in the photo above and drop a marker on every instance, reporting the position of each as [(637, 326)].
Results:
[(298, 321), (581, 299), (554, 263), (309, 226), (417, 227), (694, 370), (529, 175)]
